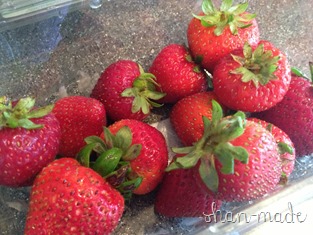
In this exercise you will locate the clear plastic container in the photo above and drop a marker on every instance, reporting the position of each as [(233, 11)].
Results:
[(49, 49)]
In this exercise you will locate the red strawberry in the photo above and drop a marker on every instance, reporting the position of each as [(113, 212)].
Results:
[(294, 115), (285, 145), (67, 198), (176, 73), (79, 117), (180, 196), (29, 140), (215, 33), (239, 159), (186, 116), (132, 156), (252, 79), (126, 91)]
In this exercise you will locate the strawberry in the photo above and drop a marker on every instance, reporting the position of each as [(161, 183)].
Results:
[(252, 79), (214, 33), (294, 114), (180, 196), (79, 117), (285, 145), (67, 198), (131, 155), (186, 116), (238, 159), (126, 91), (176, 73), (29, 140)]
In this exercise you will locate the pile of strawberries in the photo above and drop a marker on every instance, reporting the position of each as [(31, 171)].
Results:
[(241, 112)]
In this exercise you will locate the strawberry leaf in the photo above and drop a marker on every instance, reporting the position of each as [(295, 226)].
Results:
[(285, 148), (227, 16), (209, 175), (108, 161), (83, 157), (132, 152)]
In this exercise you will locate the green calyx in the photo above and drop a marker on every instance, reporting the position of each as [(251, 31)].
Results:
[(227, 16), (299, 73), (19, 115), (214, 144), (144, 92), (111, 159), (257, 65)]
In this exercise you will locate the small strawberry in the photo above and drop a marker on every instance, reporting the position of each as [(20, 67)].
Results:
[(294, 114), (29, 140), (285, 146), (131, 155), (176, 73), (67, 198), (214, 33), (238, 159), (252, 79), (186, 116), (79, 117), (126, 91), (180, 196)]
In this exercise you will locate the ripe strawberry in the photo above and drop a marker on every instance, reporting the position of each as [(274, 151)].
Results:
[(285, 145), (79, 117), (294, 115), (126, 91), (180, 196), (67, 198), (186, 116), (252, 79), (29, 140), (176, 73), (132, 156), (238, 159), (215, 33)]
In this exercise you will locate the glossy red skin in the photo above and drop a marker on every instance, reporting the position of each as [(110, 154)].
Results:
[(153, 158), (262, 172), (294, 115), (112, 82), (203, 42), (288, 160), (245, 96), (79, 117), (176, 75), (180, 196), (23, 153), (186, 116), (67, 198)]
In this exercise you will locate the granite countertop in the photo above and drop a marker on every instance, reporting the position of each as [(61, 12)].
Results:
[(66, 53)]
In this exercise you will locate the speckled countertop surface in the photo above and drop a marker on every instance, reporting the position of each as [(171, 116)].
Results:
[(66, 54)]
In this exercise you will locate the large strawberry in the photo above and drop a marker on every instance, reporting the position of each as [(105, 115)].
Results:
[(285, 146), (294, 114), (238, 159), (252, 79), (216, 32), (186, 116), (29, 140), (132, 156), (126, 91), (67, 198), (79, 117), (180, 196), (177, 74)]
